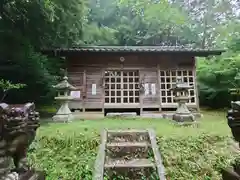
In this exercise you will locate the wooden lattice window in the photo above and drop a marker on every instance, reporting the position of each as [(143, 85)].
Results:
[(121, 87), (168, 78)]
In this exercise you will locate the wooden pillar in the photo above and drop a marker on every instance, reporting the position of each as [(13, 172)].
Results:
[(195, 84), (84, 89), (140, 93), (103, 89), (159, 87)]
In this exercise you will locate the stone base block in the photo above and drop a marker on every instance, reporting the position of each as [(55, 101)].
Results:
[(29, 175), (170, 115), (33, 175), (62, 118), (125, 114), (183, 117), (230, 174)]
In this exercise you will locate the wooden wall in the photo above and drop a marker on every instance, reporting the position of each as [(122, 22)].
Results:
[(87, 69), (94, 76)]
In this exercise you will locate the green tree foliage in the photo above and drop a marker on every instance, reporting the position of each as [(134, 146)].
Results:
[(6, 86), (205, 24), (136, 22), (26, 27), (217, 75)]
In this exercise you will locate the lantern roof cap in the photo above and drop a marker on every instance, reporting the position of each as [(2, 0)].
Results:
[(64, 85), (180, 85)]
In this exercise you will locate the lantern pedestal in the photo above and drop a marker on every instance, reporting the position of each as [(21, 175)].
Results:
[(63, 114), (183, 117), (182, 113), (62, 118)]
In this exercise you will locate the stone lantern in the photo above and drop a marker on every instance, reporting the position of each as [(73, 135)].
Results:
[(181, 92), (64, 88)]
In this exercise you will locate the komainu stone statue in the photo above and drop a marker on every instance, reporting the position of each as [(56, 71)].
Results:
[(18, 125), (233, 117)]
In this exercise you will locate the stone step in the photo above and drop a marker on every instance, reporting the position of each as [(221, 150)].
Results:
[(131, 153), (128, 150), (131, 173), (128, 144), (127, 135), (127, 131), (125, 114), (134, 163)]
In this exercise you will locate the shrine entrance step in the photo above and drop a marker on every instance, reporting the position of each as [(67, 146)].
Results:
[(129, 154)]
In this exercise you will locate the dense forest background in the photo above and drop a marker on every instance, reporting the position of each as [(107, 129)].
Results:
[(26, 26)]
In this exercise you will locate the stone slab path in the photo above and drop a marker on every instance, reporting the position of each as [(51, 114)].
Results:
[(129, 154)]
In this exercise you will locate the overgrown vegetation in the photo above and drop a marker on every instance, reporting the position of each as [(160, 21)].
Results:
[(72, 157), (196, 158), (69, 150)]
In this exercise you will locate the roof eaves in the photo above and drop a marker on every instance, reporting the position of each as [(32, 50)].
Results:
[(120, 49)]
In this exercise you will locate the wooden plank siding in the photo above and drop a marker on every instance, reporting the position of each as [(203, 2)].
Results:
[(94, 76), (89, 69), (76, 77)]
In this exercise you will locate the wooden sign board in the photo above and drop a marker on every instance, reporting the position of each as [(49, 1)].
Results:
[(153, 89), (75, 94), (94, 89), (146, 89)]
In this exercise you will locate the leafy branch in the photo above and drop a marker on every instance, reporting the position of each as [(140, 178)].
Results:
[(6, 85)]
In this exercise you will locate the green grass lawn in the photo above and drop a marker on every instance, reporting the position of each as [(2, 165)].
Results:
[(68, 151), (212, 123)]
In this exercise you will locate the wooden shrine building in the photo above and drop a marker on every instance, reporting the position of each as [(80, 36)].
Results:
[(130, 78)]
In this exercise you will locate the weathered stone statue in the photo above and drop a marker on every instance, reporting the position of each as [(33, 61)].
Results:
[(182, 113), (18, 125), (233, 117)]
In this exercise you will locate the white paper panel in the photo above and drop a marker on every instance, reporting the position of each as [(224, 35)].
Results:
[(146, 88), (94, 89), (153, 88), (75, 94)]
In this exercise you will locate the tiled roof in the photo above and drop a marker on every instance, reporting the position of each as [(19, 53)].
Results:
[(135, 49)]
